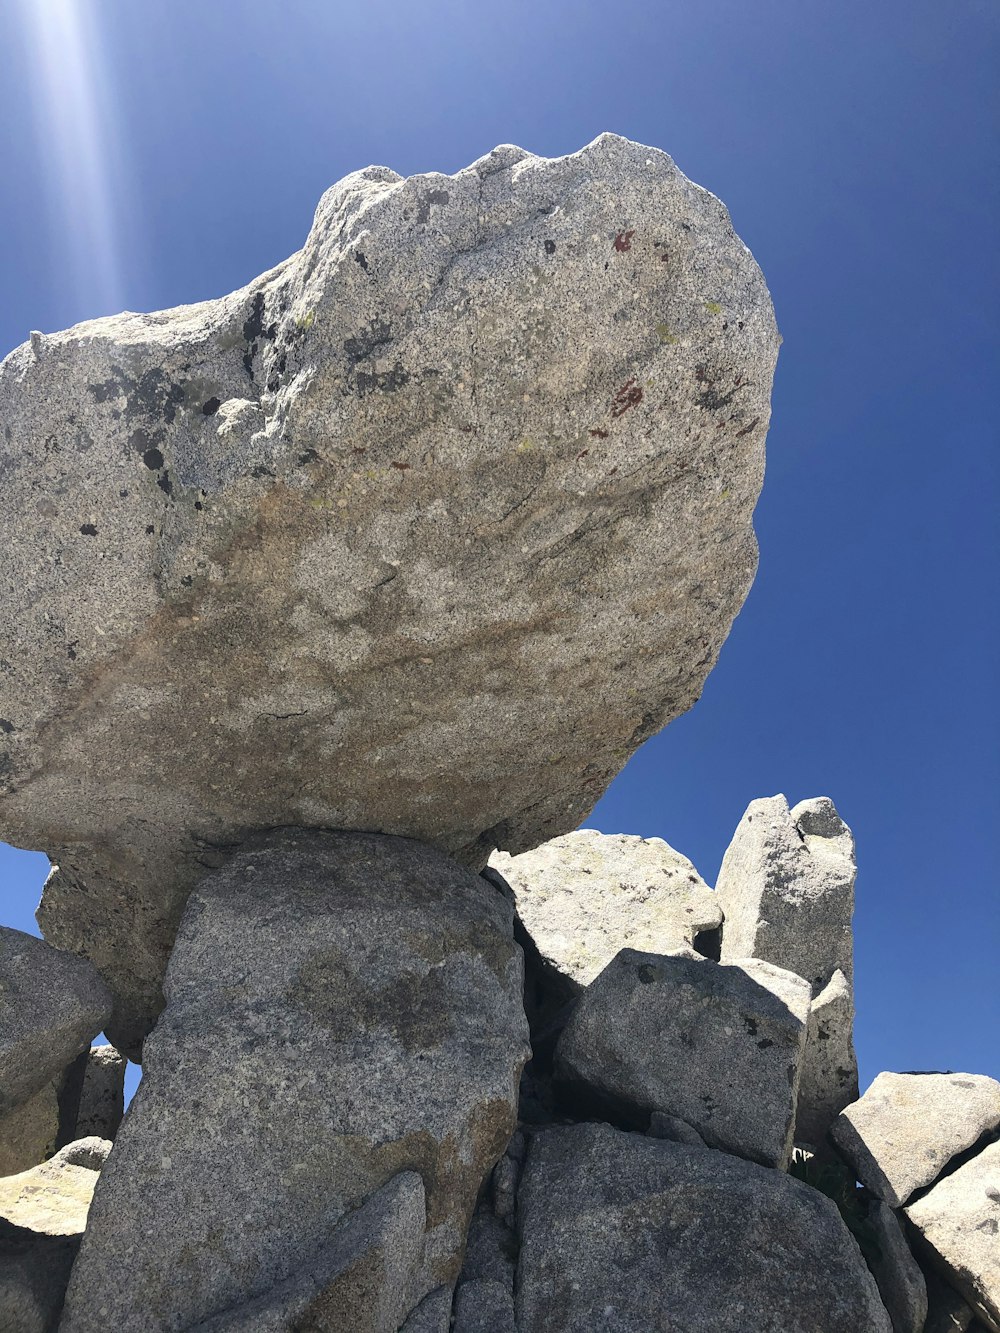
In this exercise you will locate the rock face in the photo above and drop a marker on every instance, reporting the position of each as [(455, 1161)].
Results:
[(897, 1274), (715, 1044), (34, 1270), (959, 1221), (51, 1005), (786, 887), (907, 1127), (424, 531), (620, 1233), (585, 895), (31, 1133), (102, 1095), (340, 1008), (53, 1199)]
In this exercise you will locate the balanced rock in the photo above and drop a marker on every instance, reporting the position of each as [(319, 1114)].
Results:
[(907, 1127), (102, 1095), (786, 888), (716, 1044), (621, 1232), (424, 531), (959, 1222), (585, 895), (900, 1282), (51, 1005), (340, 1008)]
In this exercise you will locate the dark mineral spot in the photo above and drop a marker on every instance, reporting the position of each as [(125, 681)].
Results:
[(150, 529), (165, 484), (153, 459), (361, 347), (198, 504), (359, 258), (211, 407), (623, 241), (550, 247), (647, 973), (5, 726), (88, 530), (627, 396)]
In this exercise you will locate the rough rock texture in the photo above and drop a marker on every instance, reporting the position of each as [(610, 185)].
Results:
[(361, 1278), (585, 895), (51, 1005), (54, 1198), (340, 1007), (432, 1315), (484, 1306), (102, 1096), (907, 1127), (717, 1044), (671, 1127), (959, 1221), (947, 1311), (900, 1282), (34, 1270), (424, 531), (786, 887), (30, 1133), (621, 1232)]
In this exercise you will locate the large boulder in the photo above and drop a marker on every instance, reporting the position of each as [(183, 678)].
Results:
[(51, 1005), (102, 1094), (717, 1044), (959, 1223), (424, 531), (900, 1282), (621, 1232), (585, 895), (53, 1198), (340, 1008), (905, 1130), (34, 1271), (786, 888)]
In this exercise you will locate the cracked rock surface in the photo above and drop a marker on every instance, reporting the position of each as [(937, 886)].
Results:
[(424, 531)]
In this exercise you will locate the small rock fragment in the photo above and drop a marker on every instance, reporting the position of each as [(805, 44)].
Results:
[(907, 1127), (717, 1044), (959, 1221), (51, 1005), (900, 1282)]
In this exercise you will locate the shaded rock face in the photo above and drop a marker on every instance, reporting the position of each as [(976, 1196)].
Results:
[(585, 895), (897, 1274), (959, 1223), (34, 1270), (620, 1233), (718, 1045), (786, 888), (51, 1005), (905, 1130), (424, 531), (102, 1094), (340, 1008)]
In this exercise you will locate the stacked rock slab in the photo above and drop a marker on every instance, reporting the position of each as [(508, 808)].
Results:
[(341, 1008), (586, 895), (786, 888), (424, 531), (102, 1094), (900, 1282), (726, 1246), (718, 1045)]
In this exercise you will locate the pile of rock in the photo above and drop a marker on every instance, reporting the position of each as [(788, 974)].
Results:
[(313, 597)]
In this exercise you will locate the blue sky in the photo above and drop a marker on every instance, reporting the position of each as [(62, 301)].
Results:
[(170, 152)]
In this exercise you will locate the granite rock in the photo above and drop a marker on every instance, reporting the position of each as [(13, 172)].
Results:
[(432, 1315), (959, 1223), (662, 1126), (51, 1005), (716, 1044), (585, 895), (906, 1128), (340, 1008), (426, 530), (947, 1311), (54, 1198), (30, 1133), (786, 888), (102, 1096), (900, 1282), (620, 1232), (360, 1279), (484, 1306), (34, 1271)]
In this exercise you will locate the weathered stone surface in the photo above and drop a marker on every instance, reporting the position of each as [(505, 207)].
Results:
[(717, 1044), (959, 1220), (51, 1005), (907, 1127), (30, 1133), (671, 1127), (490, 1249), (484, 1306), (432, 1315), (585, 895), (620, 1232), (947, 1311), (425, 531), (102, 1097), (900, 1282), (362, 1278), (786, 887), (34, 1270), (340, 1007), (54, 1197), (506, 1175)]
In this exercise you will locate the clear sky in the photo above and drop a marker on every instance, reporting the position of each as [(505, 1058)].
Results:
[(159, 153)]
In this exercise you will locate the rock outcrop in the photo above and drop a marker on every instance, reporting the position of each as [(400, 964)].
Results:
[(424, 531), (102, 1094), (900, 1282), (786, 888), (907, 1127), (717, 1044), (620, 1232), (340, 1008)]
